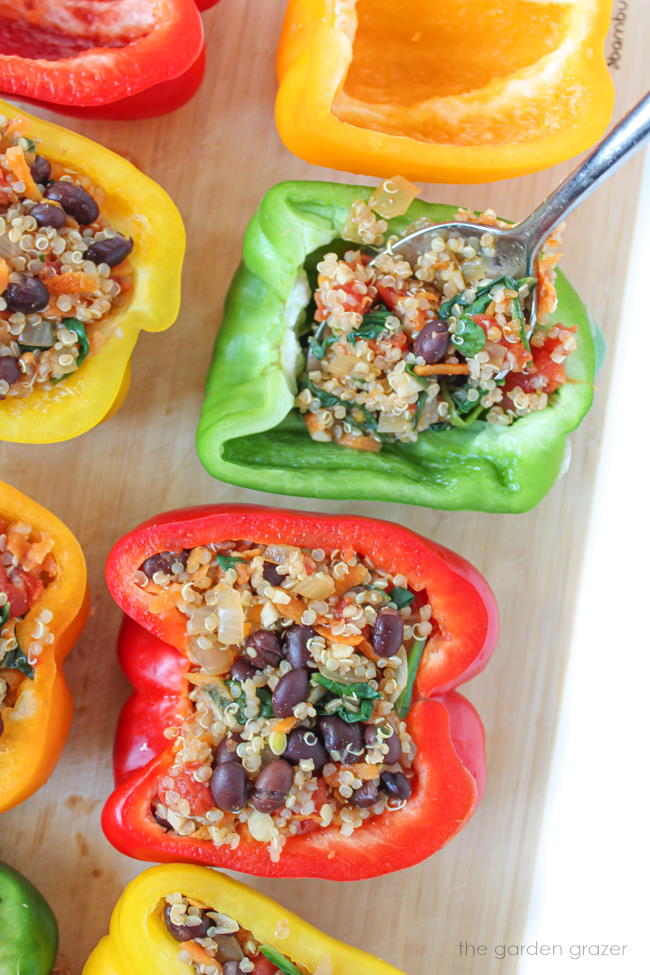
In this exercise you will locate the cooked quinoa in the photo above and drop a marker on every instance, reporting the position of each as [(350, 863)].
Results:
[(299, 685), (216, 944), (397, 349), (63, 269), (27, 568)]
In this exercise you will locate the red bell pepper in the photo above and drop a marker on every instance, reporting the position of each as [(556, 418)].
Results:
[(132, 59), (447, 732)]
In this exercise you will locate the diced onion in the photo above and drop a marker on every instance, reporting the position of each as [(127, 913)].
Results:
[(316, 586), (260, 826), (231, 615), (41, 335), (393, 197)]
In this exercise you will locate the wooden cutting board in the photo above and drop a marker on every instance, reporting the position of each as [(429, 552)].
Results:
[(143, 461)]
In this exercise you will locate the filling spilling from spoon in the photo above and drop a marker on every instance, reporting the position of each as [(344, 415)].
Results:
[(396, 349), (302, 671)]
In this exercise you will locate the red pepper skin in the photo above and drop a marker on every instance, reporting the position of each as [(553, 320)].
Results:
[(449, 738), (151, 76)]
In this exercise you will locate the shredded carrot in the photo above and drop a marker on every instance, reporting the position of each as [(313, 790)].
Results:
[(351, 641), (37, 553), (292, 610), (285, 724), (74, 282), (200, 954), (355, 576), (365, 771), (360, 443), (19, 167), (546, 293), (4, 275), (443, 369), (164, 600), (365, 648)]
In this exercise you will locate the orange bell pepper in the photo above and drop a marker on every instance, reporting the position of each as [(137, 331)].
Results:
[(35, 727), (443, 92)]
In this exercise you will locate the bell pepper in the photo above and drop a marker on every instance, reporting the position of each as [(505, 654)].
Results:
[(250, 433), (455, 93), (138, 942), (29, 936), (448, 735), (36, 727), (129, 61), (138, 208)]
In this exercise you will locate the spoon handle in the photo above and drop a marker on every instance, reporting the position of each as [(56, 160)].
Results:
[(615, 149)]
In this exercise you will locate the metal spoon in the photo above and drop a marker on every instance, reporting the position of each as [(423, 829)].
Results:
[(517, 247)]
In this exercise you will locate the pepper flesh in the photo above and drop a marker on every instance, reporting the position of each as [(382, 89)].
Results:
[(138, 942), (138, 208), (134, 60), (29, 934), (36, 727), (446, 730), (250, 434), (521, 87)]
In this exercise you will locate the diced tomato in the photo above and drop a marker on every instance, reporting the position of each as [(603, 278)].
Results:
[(518, 351), (197, 793), (320, 797), (354, 302), (22, 589), (544, 375), (389, 296), (263, 966)]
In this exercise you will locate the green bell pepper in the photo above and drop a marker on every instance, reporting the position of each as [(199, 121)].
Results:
[(29, 937), (250, 433)]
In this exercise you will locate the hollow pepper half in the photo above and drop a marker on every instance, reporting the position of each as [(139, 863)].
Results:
[(447, 732), (138, 942), (37, 725), (138, 208), (250, 434), (456, 93), (29, 934), (126, 59)]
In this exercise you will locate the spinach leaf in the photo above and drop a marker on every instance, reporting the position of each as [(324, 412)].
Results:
[(318, 349), (422, 398), (228, 561), (358, 699), (266, 702), (461, 402), (361, 691), (30, 144), (483, 296), (5, 610), (469, 338), (403, 703), (74, 325), (423, 381), (16, 660), (367, 422), (373, 324), (280, 961), (401, 597), (362, 712)]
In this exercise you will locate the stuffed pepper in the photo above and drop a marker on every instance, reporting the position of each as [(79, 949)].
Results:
[(121, 60), (456, 93), (43, 607), (342, 370), (29, 934), (294, 720), (181, 918), (90, 253)]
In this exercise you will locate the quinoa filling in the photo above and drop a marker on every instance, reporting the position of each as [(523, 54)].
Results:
[(216, 944), (395, 349), (302, 671), (27, 568), (63, 269)]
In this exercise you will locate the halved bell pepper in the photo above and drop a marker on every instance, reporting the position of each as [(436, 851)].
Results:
[(138, 942), (456, 93), (126, 59), (138, 208), (36, 726), (29, 935), (251, 434), (447, 732)]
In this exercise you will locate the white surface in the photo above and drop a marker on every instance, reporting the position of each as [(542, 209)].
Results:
[(591, 882)]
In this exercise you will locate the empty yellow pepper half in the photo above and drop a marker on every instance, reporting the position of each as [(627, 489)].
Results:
[(462, 92), (137, 207), (139, 943)]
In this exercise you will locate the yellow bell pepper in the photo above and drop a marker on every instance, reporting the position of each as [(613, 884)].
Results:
[(139, 943), (138, 208), (443, 92)]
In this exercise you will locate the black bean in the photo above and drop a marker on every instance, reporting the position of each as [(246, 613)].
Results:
[(262, 649), (366, 795), (163, 562), (303, 743), (226, 751), (272, 575), (389, 737), (187, 932), (9, 369), (41, 170), (343, 741), (48, 215), (74, 200), (295, 641), (161, 822), (26, 295), (387, 633), (229, 786), (291, 690), (272, 786), (111, 250), (395, 785), (241, 670), (432, 342)]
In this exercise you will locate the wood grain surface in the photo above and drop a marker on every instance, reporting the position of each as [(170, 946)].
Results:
[(216, 157)]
